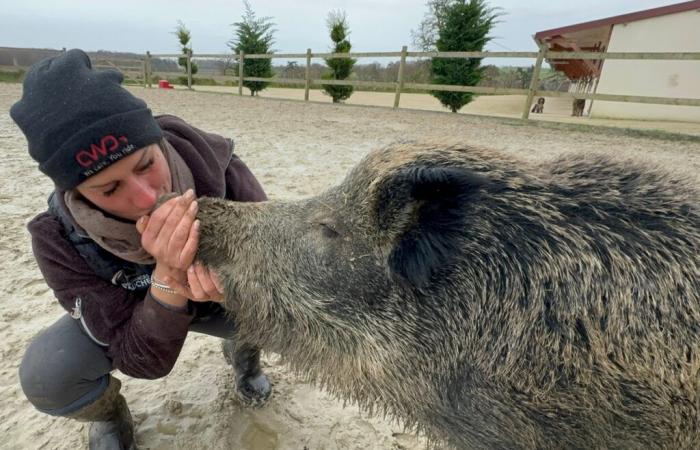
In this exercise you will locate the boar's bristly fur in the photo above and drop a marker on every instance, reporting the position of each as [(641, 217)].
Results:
[(489, 302)]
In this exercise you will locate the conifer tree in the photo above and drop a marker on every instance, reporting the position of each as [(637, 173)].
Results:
[(253, 35), (464, 27), (340, 68), (184, 36)]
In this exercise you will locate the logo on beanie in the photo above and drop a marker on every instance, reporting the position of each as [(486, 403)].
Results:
[(108, 143), (109, 150)]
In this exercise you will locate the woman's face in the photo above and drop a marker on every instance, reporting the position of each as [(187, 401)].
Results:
[(130, 187)]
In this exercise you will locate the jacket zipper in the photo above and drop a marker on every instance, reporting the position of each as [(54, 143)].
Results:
[(78, 315)]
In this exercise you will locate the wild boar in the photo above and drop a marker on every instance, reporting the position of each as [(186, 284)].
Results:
[(486, 301)]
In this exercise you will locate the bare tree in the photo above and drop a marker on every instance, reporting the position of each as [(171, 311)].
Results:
[(426, 36)]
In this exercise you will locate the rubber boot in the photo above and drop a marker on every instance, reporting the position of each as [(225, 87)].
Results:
[(111, 427), (252, 385)]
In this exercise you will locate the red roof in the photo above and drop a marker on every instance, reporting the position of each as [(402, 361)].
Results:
[(594, 36)]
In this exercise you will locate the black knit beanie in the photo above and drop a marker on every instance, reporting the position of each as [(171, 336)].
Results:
[(78, 120)]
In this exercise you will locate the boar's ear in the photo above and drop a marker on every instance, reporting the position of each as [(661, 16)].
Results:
[(426, 209)]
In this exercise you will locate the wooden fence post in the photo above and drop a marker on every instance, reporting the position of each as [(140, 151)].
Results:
[(145, 70), (307, 77), (149, 69), (595, 89), (189, 69), (399, 80), (534, 82), (240, 73)]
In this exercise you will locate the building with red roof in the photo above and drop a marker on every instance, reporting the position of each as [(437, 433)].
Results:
[(673, 28)]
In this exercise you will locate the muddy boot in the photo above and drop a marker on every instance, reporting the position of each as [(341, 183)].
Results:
[(111, 426), (252, 385)]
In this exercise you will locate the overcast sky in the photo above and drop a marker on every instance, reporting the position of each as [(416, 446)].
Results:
[(379, 25)]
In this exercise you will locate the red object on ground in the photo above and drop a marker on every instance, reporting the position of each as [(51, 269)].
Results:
[(165, 84)]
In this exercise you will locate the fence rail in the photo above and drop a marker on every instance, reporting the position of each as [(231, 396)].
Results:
[(544, 54)]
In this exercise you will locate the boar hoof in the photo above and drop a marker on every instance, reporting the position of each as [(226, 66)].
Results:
[(254, 391), (252, 385)]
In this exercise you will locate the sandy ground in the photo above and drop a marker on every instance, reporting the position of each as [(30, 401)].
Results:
[(296, 150), (557, 109)]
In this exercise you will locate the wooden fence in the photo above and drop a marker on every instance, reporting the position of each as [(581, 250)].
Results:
[(399, 85), (129, 67)]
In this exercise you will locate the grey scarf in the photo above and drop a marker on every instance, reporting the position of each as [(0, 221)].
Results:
[(120, 237)]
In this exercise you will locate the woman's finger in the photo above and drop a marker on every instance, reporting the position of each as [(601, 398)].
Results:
[(155, 223), (168, 250), (189, 250), (217, 281), (207, 282), (201, 284), (142, 223), (198, 293), (181, 236), (170, 223)]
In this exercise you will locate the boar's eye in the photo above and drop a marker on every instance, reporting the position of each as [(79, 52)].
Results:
[(328, 230)]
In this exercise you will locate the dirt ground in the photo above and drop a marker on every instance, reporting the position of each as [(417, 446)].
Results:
[(296, 150), (557, 109)]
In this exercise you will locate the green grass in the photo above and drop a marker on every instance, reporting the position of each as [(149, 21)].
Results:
[(12, 77), (606, 130)]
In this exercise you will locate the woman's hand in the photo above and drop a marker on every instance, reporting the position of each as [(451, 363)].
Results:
[(171, 233), (202, 284)]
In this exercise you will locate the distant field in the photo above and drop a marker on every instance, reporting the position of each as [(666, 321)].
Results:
[(557, 109)]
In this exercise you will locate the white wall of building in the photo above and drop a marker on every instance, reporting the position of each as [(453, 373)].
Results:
[(678, 32)]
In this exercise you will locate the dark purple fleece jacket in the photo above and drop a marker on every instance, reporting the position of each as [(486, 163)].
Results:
[(144, 338)]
